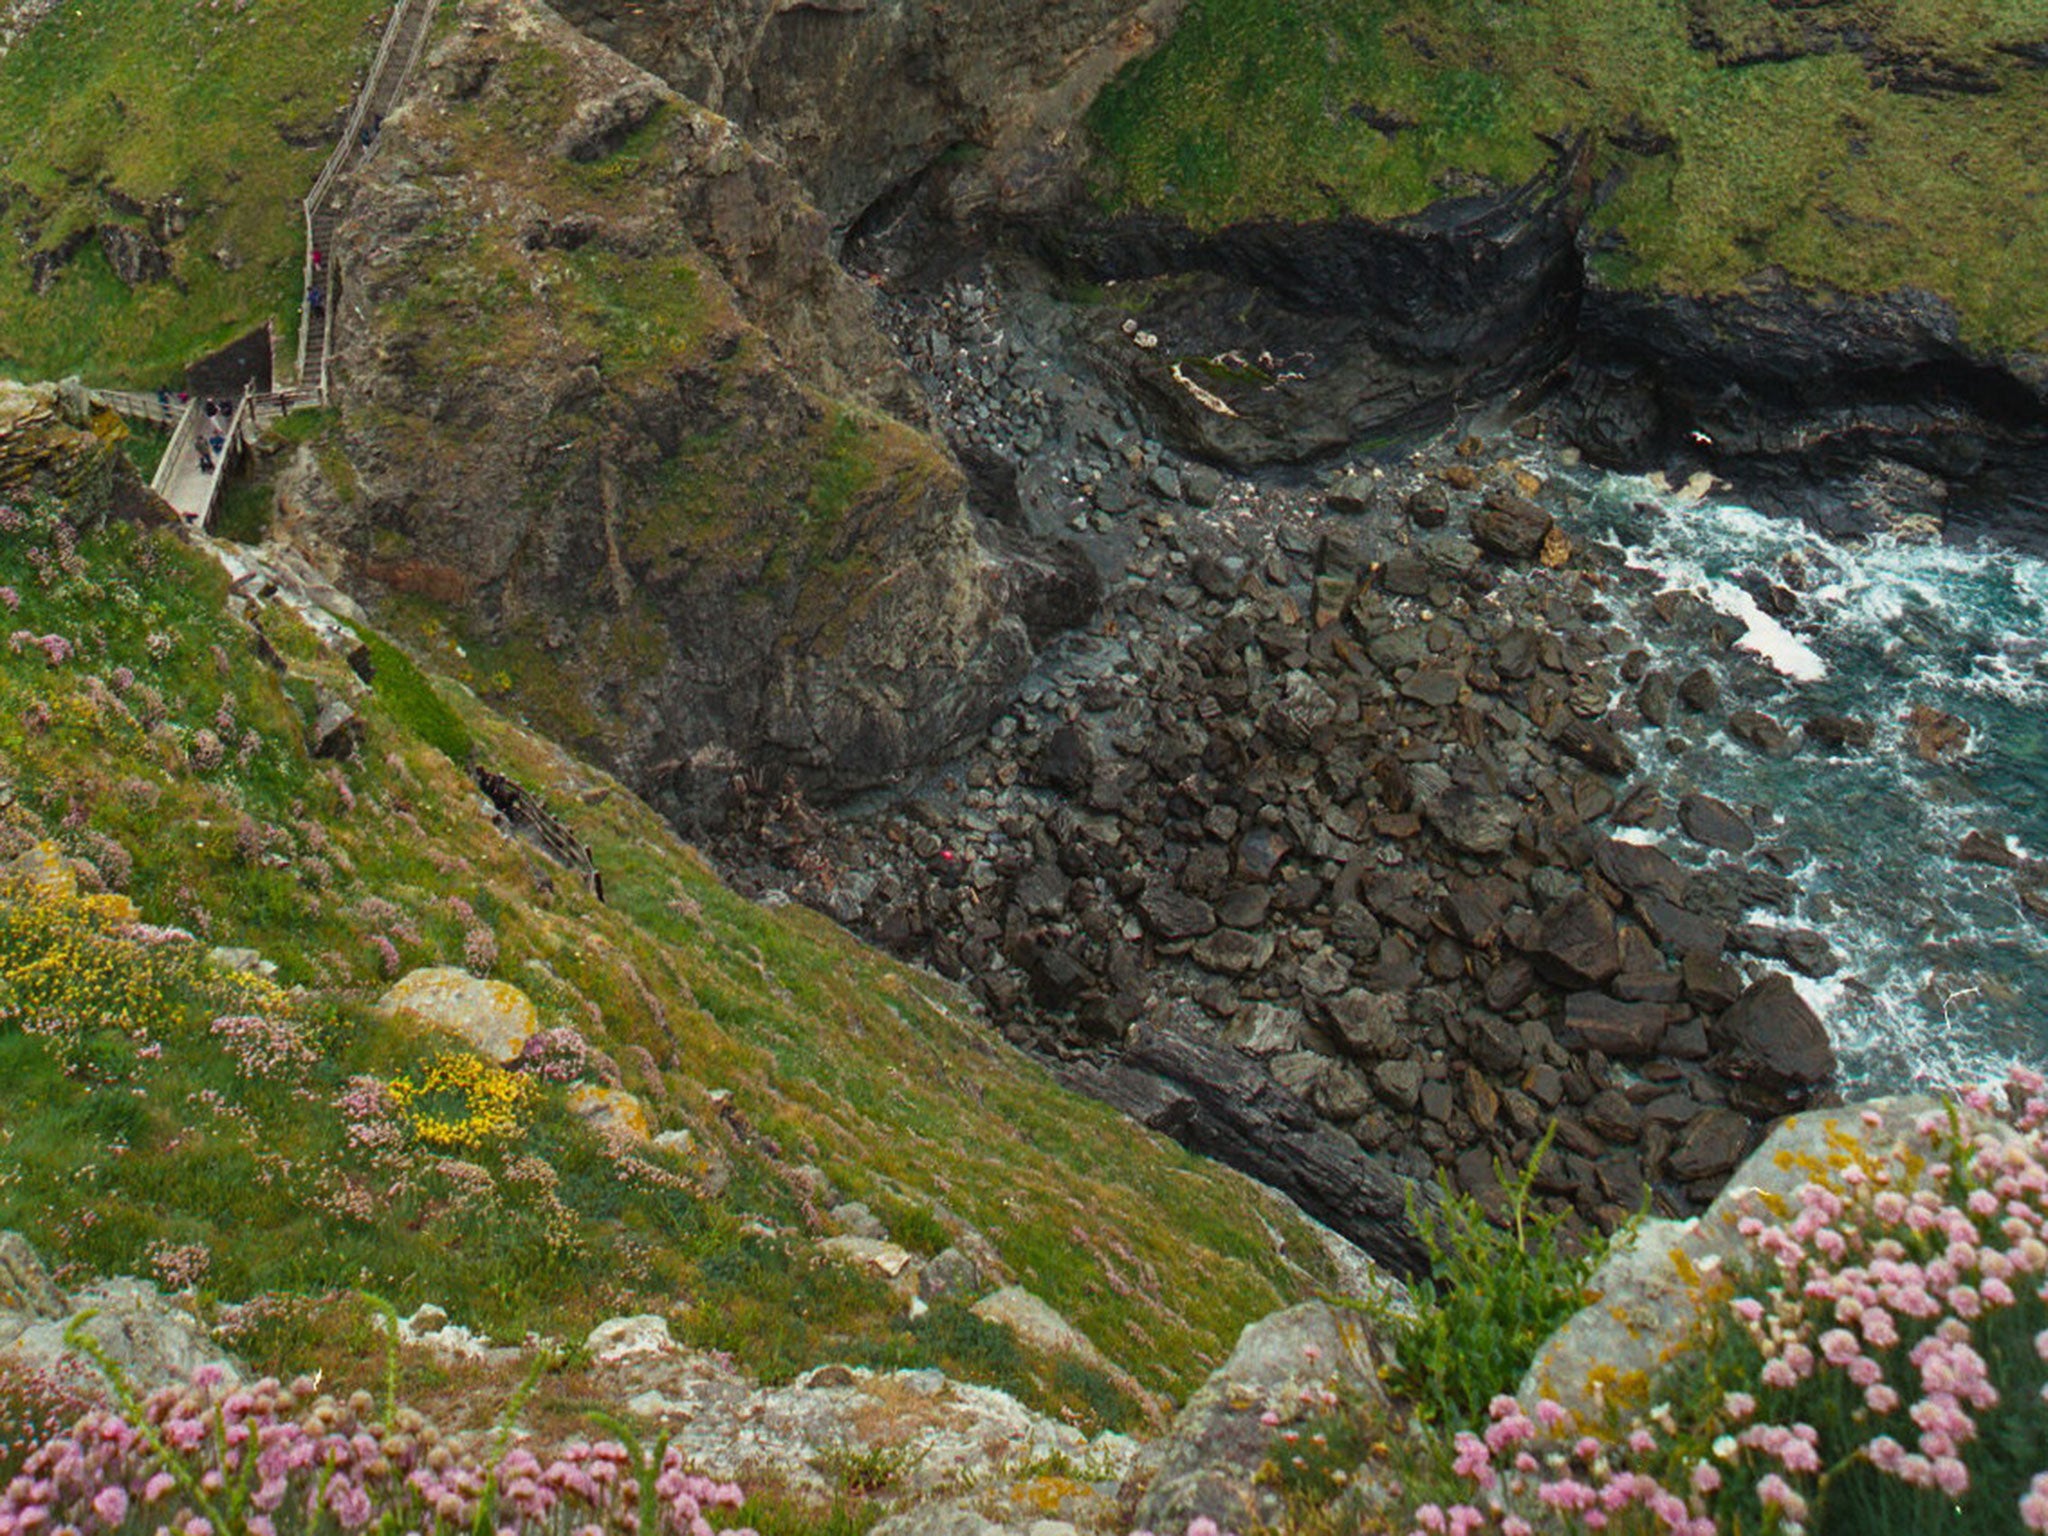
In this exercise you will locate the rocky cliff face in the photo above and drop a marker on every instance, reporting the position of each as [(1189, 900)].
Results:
[(1804, 236), (1272, 340), (859, 96), (614, 408)]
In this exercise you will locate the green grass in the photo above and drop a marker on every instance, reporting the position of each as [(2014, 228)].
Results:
[(1308, 109), (144, 447), (414, 704), (244, 510), (224, 114), (130, 1132), (1496, 1292)]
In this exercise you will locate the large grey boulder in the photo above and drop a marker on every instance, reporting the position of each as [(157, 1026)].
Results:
[(1283, 1366), (151, 1342)]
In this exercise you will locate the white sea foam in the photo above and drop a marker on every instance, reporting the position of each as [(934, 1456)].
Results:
[(1940, 961), (1764, 636)]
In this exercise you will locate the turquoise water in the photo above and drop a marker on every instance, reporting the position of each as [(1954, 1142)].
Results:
[(1945, 977)]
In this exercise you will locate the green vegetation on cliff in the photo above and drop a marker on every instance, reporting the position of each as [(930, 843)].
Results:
[(181, 136), (1861, 144), (249, 1136)]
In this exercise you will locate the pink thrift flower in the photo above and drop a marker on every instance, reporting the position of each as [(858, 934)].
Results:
[(1773, 1490), (2034, 1506)]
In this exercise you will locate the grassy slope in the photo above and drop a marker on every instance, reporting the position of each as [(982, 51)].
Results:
[(126, 1141), (1267, 107), (112, 105)]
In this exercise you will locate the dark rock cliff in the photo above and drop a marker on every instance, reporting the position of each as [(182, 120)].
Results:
[(856, 97), (626, 433), (1283, 342)]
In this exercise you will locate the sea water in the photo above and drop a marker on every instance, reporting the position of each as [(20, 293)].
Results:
[(1945, 973)]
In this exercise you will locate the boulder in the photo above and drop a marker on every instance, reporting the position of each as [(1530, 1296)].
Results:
[(1429, 507), (150, 1341), (1039, 1326), (1772, 1038), (1936, 736), (627, 1338), (1710, 1144), (1369, 1024), (949, 1275), (1495, 1045), (1207, 1465), (1472, 822), (495, 1017), (1399, 1082), (1436, 686), (1232, 952), (1715, 824), (1594, 1021), (612, 1112), (1840, 732), (1700, 690), (1640, 869), (1511, 526), (874, 1254), (1760, 732), (1576, 943), (1981, 847), (1595, 745), (1352, 494), (1172, 915)]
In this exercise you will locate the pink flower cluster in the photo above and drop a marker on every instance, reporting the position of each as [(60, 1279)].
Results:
[(564, 1056), (201, 1460), (263, 1047), (1587, 1485), (1901, 1281), (1887, 1298), (55, 648)]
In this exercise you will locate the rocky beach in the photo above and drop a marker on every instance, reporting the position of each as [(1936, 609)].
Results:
[(1360, 830)]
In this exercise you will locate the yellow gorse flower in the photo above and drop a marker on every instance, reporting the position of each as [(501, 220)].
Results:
[(492, 1100)]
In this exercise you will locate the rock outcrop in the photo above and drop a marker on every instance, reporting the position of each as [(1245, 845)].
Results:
[(1649, 1296), (149, 1340), (611, 402), (57, 440), (857, 99), (1292, 1366), (1282, 342)]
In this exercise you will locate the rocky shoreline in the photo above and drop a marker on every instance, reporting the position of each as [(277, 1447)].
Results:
[(1326, 846)]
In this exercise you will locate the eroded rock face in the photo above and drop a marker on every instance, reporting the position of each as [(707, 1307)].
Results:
[(1277, 342), (857, 98), (612, 404), (1280, 1373)]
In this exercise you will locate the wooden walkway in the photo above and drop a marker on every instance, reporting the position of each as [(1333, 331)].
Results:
[(405, 37), (192, 484)]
